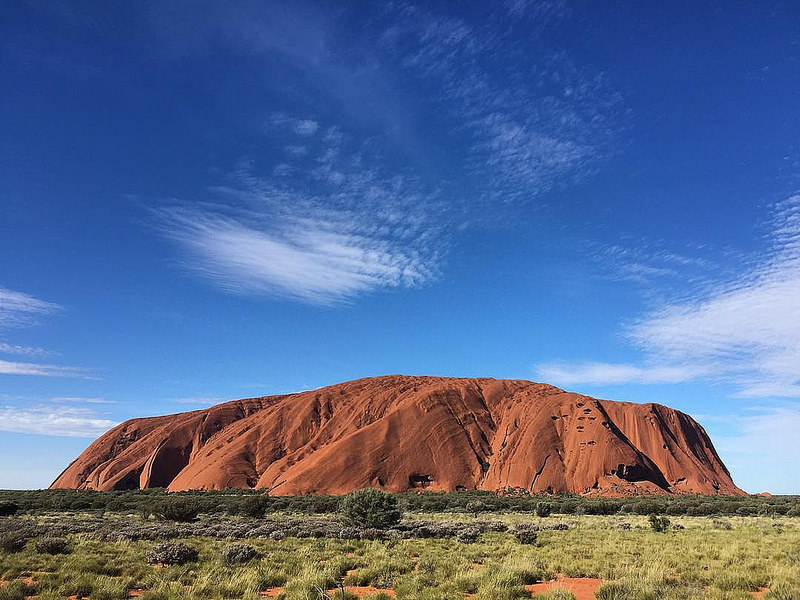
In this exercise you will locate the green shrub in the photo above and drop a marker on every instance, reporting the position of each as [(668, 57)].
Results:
[(12, 542), (253, 506), (239, 554), (8, 508), (543, 509), (659, 524), (370, 508), (171, 553), (526, 533), (54, 545), (177, 509)]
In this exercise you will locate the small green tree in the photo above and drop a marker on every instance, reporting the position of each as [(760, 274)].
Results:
[(543, 509), (8, 508), (659, 524), (475, 507), (370, 508), (254, 506), (177, 508)]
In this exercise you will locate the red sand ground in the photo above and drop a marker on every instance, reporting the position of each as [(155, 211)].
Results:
[(399, 433), (583, 588)]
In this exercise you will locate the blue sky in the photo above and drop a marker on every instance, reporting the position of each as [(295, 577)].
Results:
[(204, 201)]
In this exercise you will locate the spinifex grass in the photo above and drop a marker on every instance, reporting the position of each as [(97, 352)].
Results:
[(703, 560)]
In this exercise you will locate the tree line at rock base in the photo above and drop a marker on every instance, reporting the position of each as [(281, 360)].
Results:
[(257, 502)]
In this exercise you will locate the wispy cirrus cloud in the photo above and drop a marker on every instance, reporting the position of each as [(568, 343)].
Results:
[(601, 373), (61, 421), (529, 128), (82, 400), (21, 309), (352, 207), (744, 331), (321, 229), (39, 369), (22, 350)]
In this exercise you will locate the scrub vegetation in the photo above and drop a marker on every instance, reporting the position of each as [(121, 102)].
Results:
[(54, 545)]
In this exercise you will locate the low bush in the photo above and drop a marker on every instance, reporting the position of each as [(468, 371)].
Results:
[(12, 542), (171, 553), (8, 508), (254, 507), (468, 535), (526, 533), (52, 545), (239, 554), (543, 509), (177, 508), (370, 508), (659, 524)]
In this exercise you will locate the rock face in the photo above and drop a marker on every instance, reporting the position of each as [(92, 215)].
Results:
[(399, 433)]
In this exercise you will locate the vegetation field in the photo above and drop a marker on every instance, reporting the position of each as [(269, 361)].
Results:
[(164, 553)]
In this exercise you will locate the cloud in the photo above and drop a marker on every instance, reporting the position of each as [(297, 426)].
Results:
[(533, 119), (432, 111), (82, 400), (303, 127), (744, 331), (599, 373), (322, 229), (18, 308), (54, 420), (22, 350), (306, 127), (748, 328), (25, 368), (763, 453)]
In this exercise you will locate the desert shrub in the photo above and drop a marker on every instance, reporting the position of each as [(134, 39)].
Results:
[(370, 508), (52, 545), (349, 533), (526, 533), (370, 533), (721, 524), (171, 553), (254, 506), (468, 535), (12, 542), (659, 524), (8, 508), (177, 508), (239, 554), (543, 509), (475, 507)]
